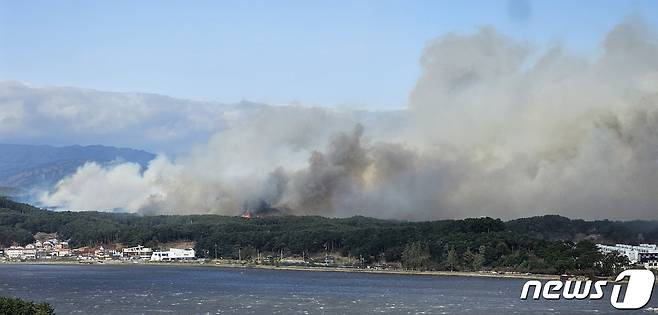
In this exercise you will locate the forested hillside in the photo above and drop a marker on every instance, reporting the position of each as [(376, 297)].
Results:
[(548, 244), (26, 166)]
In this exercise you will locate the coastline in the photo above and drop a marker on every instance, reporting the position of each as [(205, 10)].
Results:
[(480, 274)]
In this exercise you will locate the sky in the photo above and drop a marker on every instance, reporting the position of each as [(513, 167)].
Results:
[(361, 54), (496, 121)]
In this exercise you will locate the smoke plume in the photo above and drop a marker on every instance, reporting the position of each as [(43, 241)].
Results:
[(494, 128)]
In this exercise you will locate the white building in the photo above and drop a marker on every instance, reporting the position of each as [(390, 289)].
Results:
[(139, 252), (633, 252), (29, 253), (20, 252), (173, 254), (14, 252)]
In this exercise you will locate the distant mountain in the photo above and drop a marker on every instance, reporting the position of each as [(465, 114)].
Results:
[(23, 167), (32, 114)]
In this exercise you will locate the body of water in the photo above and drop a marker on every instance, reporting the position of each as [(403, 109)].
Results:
[(111, 289)]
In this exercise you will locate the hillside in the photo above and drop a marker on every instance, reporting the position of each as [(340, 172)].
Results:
[(527, 245), (26, 166)]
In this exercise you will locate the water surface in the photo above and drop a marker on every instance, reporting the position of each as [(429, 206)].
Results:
[(130, 289)]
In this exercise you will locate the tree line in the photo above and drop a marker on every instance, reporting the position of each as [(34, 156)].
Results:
[(547, 244)]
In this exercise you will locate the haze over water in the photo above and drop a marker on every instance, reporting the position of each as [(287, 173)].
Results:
[(74, 289)]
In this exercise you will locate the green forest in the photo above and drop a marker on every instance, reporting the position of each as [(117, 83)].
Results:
[(548, 244), (15, 306)]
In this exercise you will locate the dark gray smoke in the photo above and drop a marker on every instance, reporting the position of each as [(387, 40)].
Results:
[(496, 129)]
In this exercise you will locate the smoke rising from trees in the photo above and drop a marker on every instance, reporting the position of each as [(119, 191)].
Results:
[(494, 127)]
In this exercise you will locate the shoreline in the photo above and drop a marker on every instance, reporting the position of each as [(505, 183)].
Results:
[(479, 274)]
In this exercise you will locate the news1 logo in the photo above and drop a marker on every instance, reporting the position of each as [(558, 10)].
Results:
[(637, 295)]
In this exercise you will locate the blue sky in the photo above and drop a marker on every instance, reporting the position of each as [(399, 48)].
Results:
[(329, 53)]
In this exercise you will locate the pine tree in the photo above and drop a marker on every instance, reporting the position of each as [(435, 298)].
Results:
[(452, 259)]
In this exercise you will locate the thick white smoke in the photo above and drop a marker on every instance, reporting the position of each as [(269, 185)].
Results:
[(491, 132)]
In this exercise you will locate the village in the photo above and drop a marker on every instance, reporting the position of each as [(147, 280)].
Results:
[(53, 249), (48, 248)]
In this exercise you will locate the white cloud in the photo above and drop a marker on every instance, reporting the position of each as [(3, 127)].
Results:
[(488, 134)]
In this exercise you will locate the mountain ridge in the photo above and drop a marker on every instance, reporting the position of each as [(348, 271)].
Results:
[(28, 166)]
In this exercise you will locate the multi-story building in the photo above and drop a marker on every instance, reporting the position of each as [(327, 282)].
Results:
[(173, 254), (635, 254), (38, 250), (14, 252), (137, 252)]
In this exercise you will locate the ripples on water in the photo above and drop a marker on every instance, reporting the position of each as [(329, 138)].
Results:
[(73, 289)]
